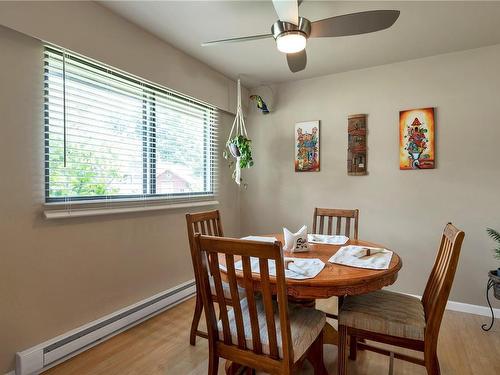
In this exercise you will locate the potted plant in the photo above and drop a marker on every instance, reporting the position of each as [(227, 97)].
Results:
[(239, 148), (495, 274)]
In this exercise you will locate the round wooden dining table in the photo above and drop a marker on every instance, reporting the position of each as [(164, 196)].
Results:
[(334, 280), (339, 280)]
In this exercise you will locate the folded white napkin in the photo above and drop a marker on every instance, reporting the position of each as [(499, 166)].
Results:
[(363, 257), (296, 242), (327, 239), (295, 268), (259, 238), (363, 252)]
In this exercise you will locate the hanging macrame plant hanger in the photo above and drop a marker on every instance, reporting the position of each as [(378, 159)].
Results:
[(238, 129)]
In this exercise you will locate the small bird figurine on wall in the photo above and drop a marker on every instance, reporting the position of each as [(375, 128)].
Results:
[(260, 103)]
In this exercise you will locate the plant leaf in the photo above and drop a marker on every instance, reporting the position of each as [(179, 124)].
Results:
[(493, 234)]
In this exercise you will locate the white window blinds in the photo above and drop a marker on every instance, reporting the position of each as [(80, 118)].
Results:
[(110, 135)]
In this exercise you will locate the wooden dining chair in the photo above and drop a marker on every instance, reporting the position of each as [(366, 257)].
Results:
[(258, 332), (329, 214), (205, 223), (342, 219), (401, 320)]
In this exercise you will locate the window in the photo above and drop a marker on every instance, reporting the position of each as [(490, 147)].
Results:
[(109, 135)]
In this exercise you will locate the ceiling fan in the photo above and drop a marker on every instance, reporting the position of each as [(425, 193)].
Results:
[(292, 31)]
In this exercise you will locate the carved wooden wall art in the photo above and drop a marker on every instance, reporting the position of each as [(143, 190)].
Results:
[(356, 151)]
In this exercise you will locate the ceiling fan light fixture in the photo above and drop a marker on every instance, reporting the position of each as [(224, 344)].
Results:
[(291, 42)]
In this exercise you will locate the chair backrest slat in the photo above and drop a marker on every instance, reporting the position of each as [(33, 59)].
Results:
[(215, 230), (339, 214), (252, 308), (330, 225), (219, 295), (282, 297), (347, 227), (339, 225), (218, 249), (203, 284), (440, 281), (235, 299), (209, 228), (442, 261), (268, 307)]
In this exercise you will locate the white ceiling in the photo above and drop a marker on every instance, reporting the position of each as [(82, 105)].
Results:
[(424, 28)]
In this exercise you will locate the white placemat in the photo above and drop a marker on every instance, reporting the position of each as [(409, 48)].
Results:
[(326, 239), (349, 256), (298, 268)]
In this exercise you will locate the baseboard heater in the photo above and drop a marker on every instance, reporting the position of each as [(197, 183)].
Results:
[(61, 348)]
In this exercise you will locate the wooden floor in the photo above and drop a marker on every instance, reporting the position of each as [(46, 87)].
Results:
[(160, 346)]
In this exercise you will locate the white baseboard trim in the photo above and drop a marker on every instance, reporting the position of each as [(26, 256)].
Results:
[(466, 307), (471, 309), (59, 349)]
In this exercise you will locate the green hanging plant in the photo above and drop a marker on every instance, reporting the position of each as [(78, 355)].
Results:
[(244, 147), (240, 148)]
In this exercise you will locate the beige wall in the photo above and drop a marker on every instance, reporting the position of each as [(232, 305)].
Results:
[(405, 210), (58, 275), (94, 31)]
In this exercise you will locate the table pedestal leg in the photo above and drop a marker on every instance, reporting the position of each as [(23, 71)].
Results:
[(330, 335), (232, 368), (302, 302)]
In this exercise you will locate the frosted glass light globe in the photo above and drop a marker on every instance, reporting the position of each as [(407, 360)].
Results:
[(291, 42)]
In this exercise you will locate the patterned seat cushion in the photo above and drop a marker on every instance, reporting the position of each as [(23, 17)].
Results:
[(305, 325), (225, 287), (385, 312)]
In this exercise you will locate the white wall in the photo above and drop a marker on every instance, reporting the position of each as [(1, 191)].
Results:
[(404, 210)]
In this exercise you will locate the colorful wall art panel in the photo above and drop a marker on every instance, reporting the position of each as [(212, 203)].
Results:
[(356, 145), (416, 139), (307, 146)]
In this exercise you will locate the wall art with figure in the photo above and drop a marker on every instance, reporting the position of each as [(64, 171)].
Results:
[(307, 146), (416, 139)]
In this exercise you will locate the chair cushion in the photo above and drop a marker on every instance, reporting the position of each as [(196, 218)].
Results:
[(385, 312), (305, 325), (225, 287)]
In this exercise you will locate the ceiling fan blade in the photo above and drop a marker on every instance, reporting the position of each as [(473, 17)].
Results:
[(233, 40), (297, 61), (287, 10), (355, 23)]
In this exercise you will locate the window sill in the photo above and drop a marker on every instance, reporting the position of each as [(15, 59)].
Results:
[(69, 211)]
